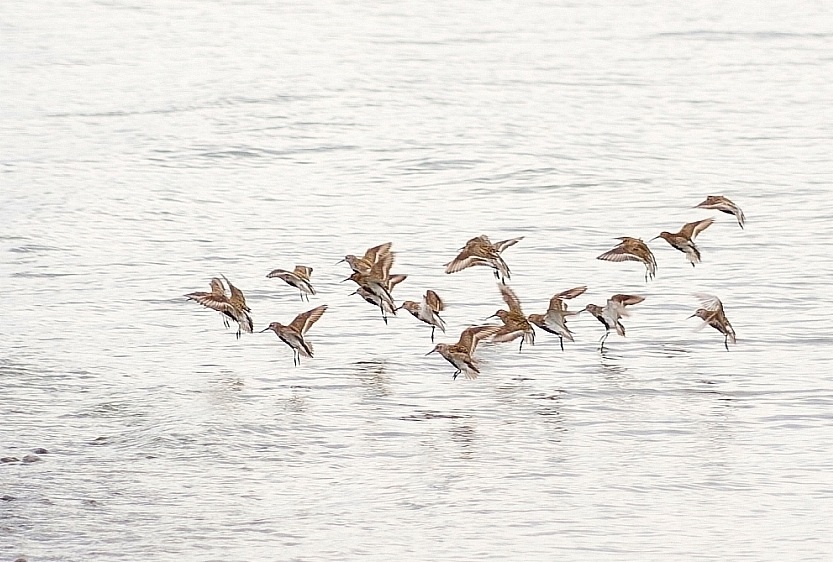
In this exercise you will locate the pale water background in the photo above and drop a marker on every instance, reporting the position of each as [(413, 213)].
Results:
[(146, 147)]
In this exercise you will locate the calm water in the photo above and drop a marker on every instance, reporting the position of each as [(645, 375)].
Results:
[(147, 147)]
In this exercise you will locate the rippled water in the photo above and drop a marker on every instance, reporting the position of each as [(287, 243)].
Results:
[(147, 147)]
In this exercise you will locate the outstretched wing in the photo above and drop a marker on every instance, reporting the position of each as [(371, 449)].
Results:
[(217, 287), (618, 254), (510, 298), (376, 252), (692, 229), (616, 307), (471, 336), (279, 273), (236, 299), (627, 300), (434, 301), (503, 244), (709, 302), (463, 260), (395, 280), (571, 293), (303, 271), (215, 302), (381, 267), (305, 320)]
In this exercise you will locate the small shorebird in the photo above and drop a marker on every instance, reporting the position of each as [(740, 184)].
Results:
[(428, 310), (609, 315), (298, 278), (233, 307), (371, 256), (515, 324), (480, 251), (684, 239), (720, 203), (376, 281), (554, 320), (293, 333), (376, 301), (712, 315), (633, 249), (460, 354)]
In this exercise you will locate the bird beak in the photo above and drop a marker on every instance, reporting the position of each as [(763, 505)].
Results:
[(692, 316), (654, 238), (343, 280), (432, 351), (492, 316), (263, 330)]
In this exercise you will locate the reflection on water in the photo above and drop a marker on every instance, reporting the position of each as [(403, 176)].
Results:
[(152, 148), (373, 377)]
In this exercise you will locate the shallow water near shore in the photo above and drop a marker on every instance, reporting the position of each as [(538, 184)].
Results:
[(145, 149)]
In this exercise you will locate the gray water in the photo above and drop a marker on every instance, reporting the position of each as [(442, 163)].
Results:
[(146, 147)]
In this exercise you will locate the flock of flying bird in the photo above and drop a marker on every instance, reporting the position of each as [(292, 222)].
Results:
[(371, 273)]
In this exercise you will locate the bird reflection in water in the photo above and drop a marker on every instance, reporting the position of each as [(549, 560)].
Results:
[(464, 435), (373, 376)]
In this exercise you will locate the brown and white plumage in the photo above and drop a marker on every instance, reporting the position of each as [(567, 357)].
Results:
[(724, 205), (632, 249), (554, 320), (372, 274), (427, 310), (515, 323), (684, 239), (610, 314), (461, 354), (372, 298), (713, 315), (479, 251), (231, 307), (293, 333), (298, 278), (370, 257)]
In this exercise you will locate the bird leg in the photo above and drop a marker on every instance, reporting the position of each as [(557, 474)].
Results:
[(522, 344), (432, 334), (561, 341), (726, 342), (603, 340), (454, 376)]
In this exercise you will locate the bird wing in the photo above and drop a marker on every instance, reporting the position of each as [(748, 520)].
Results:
[(627, 300), (217, 286), (463, 260), (434, 301), (216, 302), (692, 229), (471, 336), (279, 273), (571, 293), (508, 333), (709, 302), (503, 244), (376, 252), (236, 299), (618, 254), (395, 280), (303, 271), (510, 298), (381, 267), (305, 320)]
